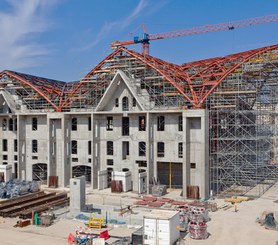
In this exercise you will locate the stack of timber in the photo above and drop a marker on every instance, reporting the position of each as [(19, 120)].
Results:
[(36, 202)]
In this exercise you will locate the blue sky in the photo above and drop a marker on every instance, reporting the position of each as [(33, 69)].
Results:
[(65, 39)]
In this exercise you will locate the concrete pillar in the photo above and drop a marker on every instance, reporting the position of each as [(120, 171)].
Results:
[(196, 138), (77, 194)]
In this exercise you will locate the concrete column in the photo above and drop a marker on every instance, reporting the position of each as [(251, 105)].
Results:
[(77, 194), (95, 152), (196, 137), (66, 161), (186, 157)]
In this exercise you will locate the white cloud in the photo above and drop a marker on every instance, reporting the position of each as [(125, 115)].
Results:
[(19, 27), (117, 25)]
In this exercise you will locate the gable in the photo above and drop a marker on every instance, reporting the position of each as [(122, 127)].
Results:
[(7, 103), (121, 95)]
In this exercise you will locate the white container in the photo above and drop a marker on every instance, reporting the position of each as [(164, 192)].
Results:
[(7, 170), (125, 177), (160, 227)]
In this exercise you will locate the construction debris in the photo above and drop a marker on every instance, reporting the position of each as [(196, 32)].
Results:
[(267, 219), (22, 223), (47, 218)]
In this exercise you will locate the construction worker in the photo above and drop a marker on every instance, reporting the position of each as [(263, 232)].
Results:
[(235, 206)]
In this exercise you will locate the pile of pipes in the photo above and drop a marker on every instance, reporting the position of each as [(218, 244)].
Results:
[(15, 187), (193, 219)]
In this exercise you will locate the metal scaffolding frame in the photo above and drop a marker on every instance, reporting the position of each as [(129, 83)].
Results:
[(82, 170), (244, 128), (39, 172)]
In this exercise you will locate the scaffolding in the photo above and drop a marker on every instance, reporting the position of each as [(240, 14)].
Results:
[(244, 128)]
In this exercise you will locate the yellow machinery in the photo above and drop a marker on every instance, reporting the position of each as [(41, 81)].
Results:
[(95, 222), (237, 199)]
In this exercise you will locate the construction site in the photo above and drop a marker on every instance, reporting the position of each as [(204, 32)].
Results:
[(144, 127)]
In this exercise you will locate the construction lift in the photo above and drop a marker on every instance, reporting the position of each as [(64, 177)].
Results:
[(146, 38)]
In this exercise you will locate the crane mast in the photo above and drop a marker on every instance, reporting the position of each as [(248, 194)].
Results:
[(146, 38)]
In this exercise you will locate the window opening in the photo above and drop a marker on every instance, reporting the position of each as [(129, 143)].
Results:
[(160, 149), (160, 123), (142, 123)]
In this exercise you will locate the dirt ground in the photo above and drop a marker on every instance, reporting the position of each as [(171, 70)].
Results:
[(226, 227)]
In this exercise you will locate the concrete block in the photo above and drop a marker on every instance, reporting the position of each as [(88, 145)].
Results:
[(77, 194)]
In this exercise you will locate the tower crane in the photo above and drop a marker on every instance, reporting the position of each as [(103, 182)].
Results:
[(146, 38)]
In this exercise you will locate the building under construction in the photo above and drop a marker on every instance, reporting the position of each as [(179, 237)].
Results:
[(211, 123)]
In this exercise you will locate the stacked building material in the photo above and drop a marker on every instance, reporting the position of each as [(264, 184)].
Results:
[(15, 187), (40, 202), (198, 230), (193, 218), (198, 214)]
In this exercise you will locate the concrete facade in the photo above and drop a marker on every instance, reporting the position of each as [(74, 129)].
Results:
[(120, 134)]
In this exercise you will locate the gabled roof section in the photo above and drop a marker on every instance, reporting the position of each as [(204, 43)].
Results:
[(36, 92), (205, 75), (112, 89), (167, 84), (146, 71)]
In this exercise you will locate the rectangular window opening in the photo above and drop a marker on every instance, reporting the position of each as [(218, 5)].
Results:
[(109, 148), (89, 124), (141, 163), (15, 145), (125, 126), (142, 123), (109, 124), (160, 149), (125, 149), (89, 147), (192, 165), (160, 123), (180, 123), (110, 162), (142, 149), (74, 124), (73, 147), (34, 124), (181, 150), (5, 145), (34, 146)]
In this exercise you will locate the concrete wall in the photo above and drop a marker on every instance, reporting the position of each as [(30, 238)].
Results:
[(55, 134)]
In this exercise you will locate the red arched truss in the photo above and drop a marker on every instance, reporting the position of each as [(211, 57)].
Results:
[(206, 75), (50, 90), (193, 81)]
